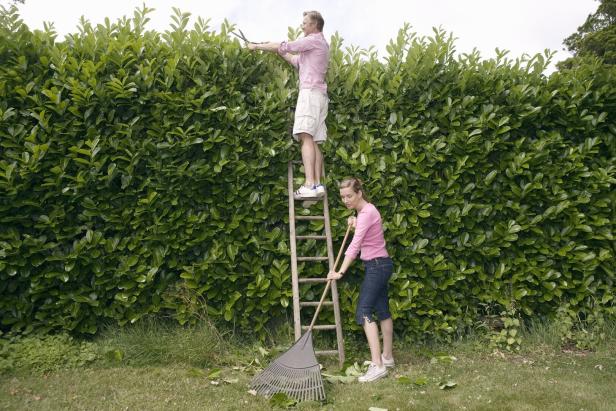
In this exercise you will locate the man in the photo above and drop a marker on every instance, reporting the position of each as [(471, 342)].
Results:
[(310, 55)]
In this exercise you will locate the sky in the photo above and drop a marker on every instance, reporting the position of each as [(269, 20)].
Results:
[(520, 26)]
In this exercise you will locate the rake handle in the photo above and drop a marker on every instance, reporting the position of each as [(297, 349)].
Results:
[(316, 313)]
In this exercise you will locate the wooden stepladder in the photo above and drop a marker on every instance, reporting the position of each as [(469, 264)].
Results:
[(298, 303)]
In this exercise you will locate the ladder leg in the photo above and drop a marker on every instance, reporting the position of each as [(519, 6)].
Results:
[(334, 288), (294, 277)]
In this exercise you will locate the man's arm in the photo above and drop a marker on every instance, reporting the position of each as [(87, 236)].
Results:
[(274, 48), (295, 46), (269, 46), (290, 58)]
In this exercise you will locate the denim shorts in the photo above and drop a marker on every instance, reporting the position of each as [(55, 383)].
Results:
[(373, 293)]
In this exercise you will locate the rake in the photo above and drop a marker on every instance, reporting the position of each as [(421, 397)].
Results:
[(297, 372)]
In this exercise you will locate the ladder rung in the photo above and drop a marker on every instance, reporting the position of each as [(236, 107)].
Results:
[(314, 303), (320, 327), (309, 217), (326, 352), (310, 237), (315, 199), (312, 258), (312, 280)]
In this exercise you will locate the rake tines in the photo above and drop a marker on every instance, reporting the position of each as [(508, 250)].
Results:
[(295, 373)]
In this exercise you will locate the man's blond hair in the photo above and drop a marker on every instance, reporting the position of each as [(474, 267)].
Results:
[(315, 17)]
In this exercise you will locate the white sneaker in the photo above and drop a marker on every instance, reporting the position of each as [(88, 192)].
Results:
[(388, 363), (320, 190), (374, 373), (304, 192)]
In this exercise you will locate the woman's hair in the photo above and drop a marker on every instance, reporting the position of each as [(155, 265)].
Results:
[(355, 184), (315, 17)]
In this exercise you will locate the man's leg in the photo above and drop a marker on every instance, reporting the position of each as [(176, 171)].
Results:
[(308, 158), (321, 136), (318, 164)]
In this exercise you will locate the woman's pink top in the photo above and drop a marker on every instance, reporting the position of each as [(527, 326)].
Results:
[(368, 238)]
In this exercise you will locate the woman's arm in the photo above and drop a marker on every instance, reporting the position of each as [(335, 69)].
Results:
[(333, 275), (348, 258)]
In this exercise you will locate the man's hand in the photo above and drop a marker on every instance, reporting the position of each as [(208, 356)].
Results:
[(334, 275), (352, 221)]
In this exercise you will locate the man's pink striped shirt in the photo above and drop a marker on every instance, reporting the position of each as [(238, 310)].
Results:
[(312, 60)]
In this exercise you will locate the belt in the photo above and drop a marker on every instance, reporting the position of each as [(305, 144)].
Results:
[(377, 260)]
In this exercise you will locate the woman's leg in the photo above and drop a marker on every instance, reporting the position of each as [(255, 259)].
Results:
[(382, 310), (387, 328), (372, 335), (363, 315), (370, 290)]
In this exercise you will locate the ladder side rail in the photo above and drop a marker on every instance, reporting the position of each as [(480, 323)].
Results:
[(334, 288), (293, 249)]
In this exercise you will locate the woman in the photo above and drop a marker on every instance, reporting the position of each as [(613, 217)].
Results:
[(369, 240)]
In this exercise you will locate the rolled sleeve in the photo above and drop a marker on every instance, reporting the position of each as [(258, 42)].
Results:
[(284, 48), (299, 45)]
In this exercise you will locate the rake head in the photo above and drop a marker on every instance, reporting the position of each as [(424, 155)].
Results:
[(295, 373)]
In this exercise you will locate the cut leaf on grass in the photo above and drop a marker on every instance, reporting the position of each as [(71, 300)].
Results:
[(115, 355), (195, 372), (447, 385), (252, 392), (282, 400), (355, 370), (421, 381), (377, 409), (404, 380), (214, 373), (230, 380), (263, 352), (336, 379), (443, 359)]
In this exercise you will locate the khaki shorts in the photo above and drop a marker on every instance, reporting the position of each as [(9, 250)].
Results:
[(310, 114)]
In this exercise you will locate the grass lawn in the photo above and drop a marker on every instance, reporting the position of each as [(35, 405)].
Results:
[(165, 370)]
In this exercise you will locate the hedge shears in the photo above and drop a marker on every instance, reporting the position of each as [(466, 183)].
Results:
[(242, 37)]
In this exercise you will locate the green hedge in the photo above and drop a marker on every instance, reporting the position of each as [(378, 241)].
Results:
[(145, 172)]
